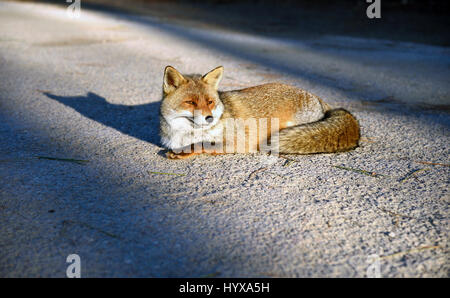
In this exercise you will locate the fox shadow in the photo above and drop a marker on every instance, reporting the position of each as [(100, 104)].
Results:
[(141, 121)]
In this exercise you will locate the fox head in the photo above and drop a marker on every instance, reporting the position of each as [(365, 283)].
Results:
[(191, 102)]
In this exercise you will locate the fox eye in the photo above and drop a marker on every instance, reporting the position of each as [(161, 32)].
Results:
[(210, 102), (190, 102)]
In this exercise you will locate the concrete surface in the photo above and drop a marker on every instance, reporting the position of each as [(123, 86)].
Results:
[(89, 89)]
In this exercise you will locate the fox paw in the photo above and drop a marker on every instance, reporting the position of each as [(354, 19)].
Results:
[(172, 155)]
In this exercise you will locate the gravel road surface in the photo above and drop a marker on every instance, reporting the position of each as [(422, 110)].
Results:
[(82, 170)]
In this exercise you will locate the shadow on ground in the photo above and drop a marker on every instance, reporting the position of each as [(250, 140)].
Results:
[(139, 121)]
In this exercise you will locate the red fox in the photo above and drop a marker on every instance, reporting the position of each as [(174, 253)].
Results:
[(194, 113)]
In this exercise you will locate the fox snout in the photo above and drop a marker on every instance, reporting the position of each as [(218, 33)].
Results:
[(202, 117)]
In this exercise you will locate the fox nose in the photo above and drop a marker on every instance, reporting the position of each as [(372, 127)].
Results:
[(209, 119)]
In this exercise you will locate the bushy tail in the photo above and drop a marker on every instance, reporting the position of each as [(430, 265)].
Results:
[(337, 131)]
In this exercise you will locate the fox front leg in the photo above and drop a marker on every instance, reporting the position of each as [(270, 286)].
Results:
[(182, 155), (191, 150)]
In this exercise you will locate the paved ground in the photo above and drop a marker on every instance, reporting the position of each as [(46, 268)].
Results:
[(89, 89)]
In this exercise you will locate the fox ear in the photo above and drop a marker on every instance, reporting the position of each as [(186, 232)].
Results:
[(213, 77), (172, 79)]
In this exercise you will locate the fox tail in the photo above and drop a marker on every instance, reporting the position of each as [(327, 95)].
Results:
[(337, 131)]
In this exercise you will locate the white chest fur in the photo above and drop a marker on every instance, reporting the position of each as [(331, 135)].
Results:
[(180, 134)]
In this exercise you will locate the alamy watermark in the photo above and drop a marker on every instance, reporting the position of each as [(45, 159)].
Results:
[(234, 136), (74, 269), (368, 265), (74, 9), (374, 269), (374, 9)]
